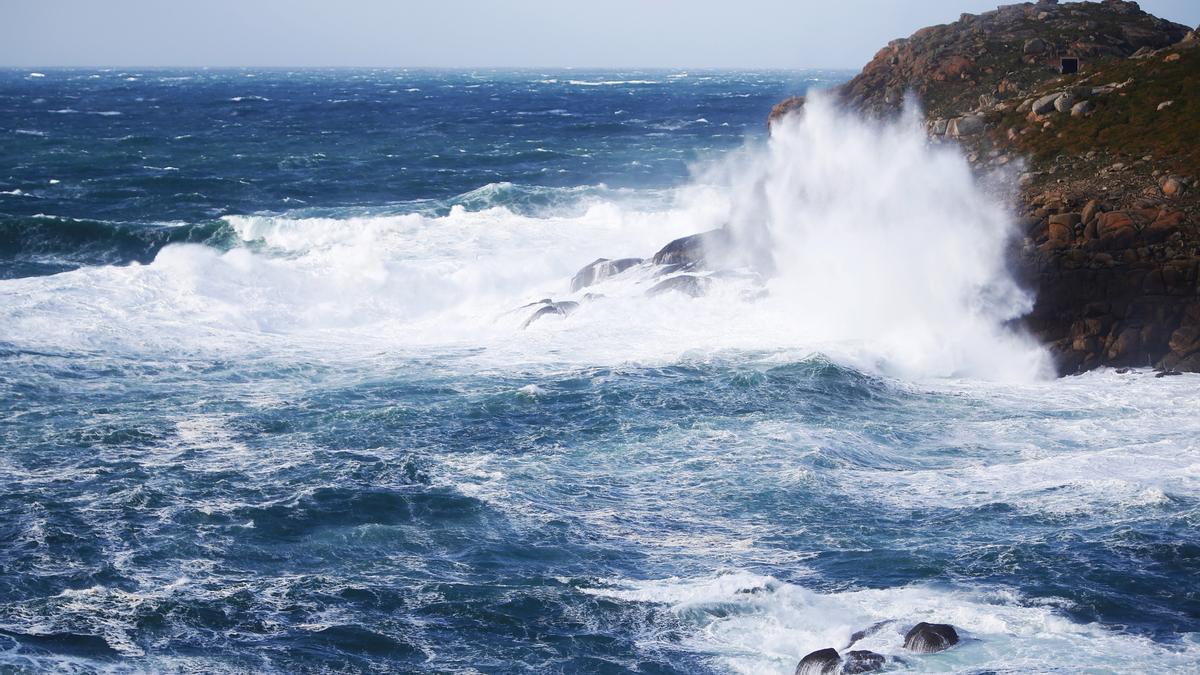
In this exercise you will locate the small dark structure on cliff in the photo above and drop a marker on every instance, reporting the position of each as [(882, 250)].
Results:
[(1068, 65)]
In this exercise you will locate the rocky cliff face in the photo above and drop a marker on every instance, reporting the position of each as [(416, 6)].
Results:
[(1109, 201)]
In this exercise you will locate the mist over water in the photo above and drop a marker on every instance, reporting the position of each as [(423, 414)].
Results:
[(248, 433)]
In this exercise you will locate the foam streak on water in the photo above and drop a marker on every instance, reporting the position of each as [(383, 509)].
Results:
[(312, 435)]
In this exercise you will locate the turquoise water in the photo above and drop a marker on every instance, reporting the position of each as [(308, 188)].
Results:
[(263, 406)]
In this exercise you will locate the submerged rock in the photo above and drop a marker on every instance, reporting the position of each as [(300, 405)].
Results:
[(561, 308), (688, 284), (601, 269), (927, 638), (868, 631), (821, 662)]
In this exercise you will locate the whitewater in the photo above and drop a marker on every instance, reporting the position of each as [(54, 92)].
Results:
[(269, 403)]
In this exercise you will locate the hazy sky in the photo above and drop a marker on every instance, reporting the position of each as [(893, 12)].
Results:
[(475, 33)]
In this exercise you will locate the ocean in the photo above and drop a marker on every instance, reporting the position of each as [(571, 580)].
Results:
[(269, 402)]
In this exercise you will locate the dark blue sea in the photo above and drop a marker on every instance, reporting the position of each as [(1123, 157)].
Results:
[(269, 400)]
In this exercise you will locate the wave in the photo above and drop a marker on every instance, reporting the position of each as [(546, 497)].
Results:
[(887, 255), (38, 245), (759, 624), (609, 83)]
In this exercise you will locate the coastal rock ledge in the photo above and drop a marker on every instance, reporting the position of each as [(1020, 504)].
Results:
[(1101, 103)]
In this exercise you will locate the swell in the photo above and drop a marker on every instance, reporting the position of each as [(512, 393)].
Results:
[(42, 245)]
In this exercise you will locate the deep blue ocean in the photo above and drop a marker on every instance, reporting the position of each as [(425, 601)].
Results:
[(266, 404)]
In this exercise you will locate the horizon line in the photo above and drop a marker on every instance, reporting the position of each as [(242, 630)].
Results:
[(452, 68)]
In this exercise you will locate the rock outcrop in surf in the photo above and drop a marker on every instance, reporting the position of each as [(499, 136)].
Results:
[(686, 266), (1099, 103), (923, 638), (929, 638)]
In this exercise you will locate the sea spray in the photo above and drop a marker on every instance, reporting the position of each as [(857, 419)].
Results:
[(882, 239), (871, 247), (321, 441)]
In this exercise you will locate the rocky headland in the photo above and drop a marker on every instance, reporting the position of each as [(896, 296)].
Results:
[(1108, 155), (1093, 110)]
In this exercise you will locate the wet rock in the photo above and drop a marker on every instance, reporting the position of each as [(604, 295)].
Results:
[(1185, 341), (783, 109), (862, 661), (692, 250), (821, 662), (868, 631), (927, 638), (562, 308), (601, 269), (688, 284), (1126, 347)]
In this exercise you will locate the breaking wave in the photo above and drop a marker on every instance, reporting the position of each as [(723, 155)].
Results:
[(885, 254)]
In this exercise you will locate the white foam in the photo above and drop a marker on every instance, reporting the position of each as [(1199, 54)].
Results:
[(609, 83), (890, 257), (758, 624)]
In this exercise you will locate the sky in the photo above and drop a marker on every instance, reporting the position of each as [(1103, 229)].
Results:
[(476, 33)]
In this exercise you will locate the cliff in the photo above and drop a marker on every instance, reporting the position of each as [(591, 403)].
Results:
[(1109, 201)]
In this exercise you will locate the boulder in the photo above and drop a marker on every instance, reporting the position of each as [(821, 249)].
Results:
[(1045, 104), (548, 308), (821, 662), (1059, 233), (863, 661), (1115, 229), (692, 250), (601, 269), (1126, 347), (1173, 186), (688, 284), (1185, 341), (1035, 46), (927, 638), (1163, 226), (967, 125), (1064, 102), (1061, 227), (1083, 109)]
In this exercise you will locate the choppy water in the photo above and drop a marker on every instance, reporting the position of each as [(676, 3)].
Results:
[(262, 407)]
